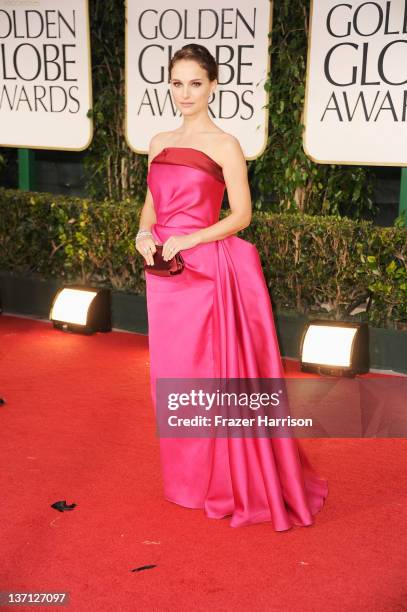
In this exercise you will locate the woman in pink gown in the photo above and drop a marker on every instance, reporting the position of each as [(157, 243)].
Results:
[(215, 320)]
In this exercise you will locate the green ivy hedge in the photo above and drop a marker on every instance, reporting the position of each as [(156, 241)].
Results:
[(312, 264), (283, 178)]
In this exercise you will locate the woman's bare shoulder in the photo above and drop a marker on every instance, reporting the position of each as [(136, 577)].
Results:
[(159, 141), (228, 148), (229, 141)]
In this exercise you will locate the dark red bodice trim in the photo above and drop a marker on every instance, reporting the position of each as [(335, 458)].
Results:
[(188, 156)]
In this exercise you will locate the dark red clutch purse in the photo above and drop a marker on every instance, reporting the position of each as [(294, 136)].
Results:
[(162, 267)]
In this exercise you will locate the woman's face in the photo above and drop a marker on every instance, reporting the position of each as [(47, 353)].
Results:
[(190, 86)]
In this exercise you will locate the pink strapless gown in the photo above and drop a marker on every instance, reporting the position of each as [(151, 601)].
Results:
[(214, 320)]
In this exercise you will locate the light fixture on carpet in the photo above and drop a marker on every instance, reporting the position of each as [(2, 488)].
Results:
[(81, 309), (335, 348)]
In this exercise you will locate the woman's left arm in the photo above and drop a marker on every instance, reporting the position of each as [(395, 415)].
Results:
[(237, 185)]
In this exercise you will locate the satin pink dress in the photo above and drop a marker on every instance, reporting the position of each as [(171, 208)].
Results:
[(214, 320)]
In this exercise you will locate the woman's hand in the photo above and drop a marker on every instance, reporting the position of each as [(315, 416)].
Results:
[(146, 246), (174, 244)]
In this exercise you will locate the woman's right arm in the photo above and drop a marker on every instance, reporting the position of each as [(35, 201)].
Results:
[(147, 218)]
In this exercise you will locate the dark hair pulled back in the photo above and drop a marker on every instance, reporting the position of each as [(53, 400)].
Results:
[(199, 54)]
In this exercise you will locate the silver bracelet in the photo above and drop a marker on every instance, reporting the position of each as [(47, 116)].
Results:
[(142, 233)]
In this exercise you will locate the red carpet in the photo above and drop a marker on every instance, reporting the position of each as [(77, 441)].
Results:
[(78, 426)]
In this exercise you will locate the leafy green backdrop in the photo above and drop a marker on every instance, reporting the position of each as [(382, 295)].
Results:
[(283, 179)]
